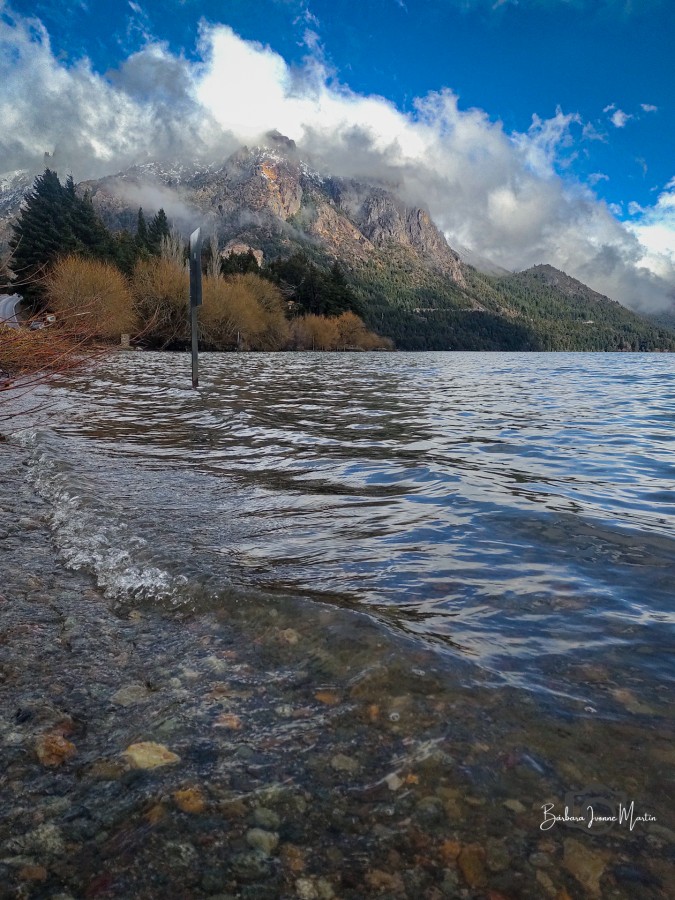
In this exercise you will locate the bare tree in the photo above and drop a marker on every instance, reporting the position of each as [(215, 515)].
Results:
[(172, 248), (213, 265)]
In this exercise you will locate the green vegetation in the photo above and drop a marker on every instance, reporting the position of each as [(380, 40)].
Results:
[(100, 285), (300, 298), (55, 222), (311, 289), (419, 309)]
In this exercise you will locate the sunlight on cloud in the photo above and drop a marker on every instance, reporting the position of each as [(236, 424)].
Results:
[(655, 229)]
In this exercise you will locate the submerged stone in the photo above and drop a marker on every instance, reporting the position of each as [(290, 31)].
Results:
[(53, 749), (586, 865), (130, 695), (265, 841), (342, 763), (190, 800), (148, 755), (471, 862)]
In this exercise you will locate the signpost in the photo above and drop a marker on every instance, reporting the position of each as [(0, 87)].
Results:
[(195, 298)]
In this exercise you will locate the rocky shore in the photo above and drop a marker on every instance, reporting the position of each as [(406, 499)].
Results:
[(277, 750)]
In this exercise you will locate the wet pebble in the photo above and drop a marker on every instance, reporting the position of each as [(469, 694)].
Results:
[(130, 695), (149, 755), (471, 862), (266, 818), (251, 866), (585, 864), (265, 841), (342, 763)]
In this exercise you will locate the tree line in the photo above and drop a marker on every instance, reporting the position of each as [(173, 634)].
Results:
[(66, 261)]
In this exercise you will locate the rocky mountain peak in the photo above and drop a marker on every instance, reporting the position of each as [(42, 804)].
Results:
[(270, 187)]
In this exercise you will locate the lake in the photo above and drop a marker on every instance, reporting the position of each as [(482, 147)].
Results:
[(416, 597)]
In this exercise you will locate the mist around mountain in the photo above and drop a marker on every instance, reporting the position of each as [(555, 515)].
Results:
[(409, 285)]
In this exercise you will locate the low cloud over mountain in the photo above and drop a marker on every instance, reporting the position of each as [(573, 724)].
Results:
[(504, 195)]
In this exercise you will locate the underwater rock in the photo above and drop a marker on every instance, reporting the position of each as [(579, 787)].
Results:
[(586, 865), (471, 861), (342, 763), (190, 800), (265, 841), (130, 695), (53, 749), (266, 818), (148, 755)]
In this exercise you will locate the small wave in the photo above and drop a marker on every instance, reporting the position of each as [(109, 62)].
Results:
[(92, 536)]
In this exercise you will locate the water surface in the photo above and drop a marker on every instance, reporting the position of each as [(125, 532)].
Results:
[(387, 605)]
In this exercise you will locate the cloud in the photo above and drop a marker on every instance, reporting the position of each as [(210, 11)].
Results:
[(649, 107), (619, 118), (655, 229), (596, 178), (505, 195)]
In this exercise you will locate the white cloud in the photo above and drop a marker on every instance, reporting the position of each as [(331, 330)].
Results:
[(649, 107), (619, 118), (596, 178), (655, 229), (498, 193)]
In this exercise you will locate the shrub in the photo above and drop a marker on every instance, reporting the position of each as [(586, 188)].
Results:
[(90, 298), (244, 311), (161, 290), (230, 317)]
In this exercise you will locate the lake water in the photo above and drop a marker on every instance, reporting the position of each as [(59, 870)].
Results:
[(487, 540)]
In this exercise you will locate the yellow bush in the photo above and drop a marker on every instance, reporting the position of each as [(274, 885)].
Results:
[(161, 289), (243, 311), (315, 333), (230, 317), (275, 331), (90, 298)]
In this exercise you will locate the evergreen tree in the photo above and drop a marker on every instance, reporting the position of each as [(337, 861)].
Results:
[(158, 228), (141, 231), (43, 230), (91, 235), (125, 251), (240, 264)]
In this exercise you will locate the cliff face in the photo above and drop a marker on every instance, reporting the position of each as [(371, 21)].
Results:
[(385, 220), (273, 192)]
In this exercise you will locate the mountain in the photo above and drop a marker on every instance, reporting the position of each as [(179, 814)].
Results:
[(410, 284), (13, 187)]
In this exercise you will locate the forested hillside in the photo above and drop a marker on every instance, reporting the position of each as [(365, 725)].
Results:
[(329, 247)]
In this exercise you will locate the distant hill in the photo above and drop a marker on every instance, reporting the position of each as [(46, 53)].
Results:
[(411, 286)]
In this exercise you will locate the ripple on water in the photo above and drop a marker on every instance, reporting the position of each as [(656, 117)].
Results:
[(450, 495)]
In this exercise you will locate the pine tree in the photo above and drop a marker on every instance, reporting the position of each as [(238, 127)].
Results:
[(158, 228), (141, 231), (43, 230), (91, 235)]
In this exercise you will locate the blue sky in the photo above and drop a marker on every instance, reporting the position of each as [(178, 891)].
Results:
[(581, 93)]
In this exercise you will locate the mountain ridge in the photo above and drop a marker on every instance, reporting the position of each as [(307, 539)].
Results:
[(412, 285)]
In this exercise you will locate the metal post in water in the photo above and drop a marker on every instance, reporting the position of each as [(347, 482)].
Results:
[(195, 298)]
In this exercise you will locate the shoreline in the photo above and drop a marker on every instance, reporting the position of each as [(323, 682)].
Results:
[(315, 756)]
